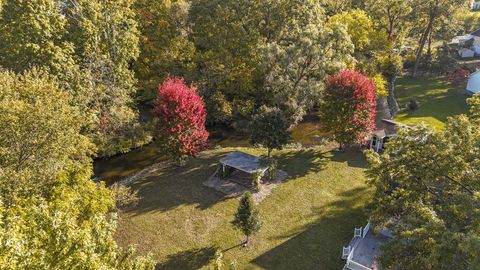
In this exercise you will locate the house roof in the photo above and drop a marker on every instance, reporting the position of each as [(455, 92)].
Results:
[(465, 50), (473, 84), (243, 162), (386, 128), (380, 133)]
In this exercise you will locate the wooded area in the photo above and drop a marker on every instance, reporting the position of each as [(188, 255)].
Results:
[(87, 81)]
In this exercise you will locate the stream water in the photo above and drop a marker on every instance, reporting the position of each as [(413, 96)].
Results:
[(119, 167)]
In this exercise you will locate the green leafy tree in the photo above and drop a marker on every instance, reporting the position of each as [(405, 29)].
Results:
[(392, 17), (427, 195), (247, 218), (72, 229), (270, 129), (106, 41), (367, 38), (430, 16), (88, 46), (359, 26), (274, 53), (165, 49), (391, 67), (226, 34), (300, 55), (52, 216), (39, 133), (33, 35)]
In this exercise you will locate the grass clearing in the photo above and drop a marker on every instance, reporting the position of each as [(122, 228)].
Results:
[(437, 99), (307, 219)]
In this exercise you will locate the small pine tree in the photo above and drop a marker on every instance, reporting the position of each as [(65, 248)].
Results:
[(247, 218)]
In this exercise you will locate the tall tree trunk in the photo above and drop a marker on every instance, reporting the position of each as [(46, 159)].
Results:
[(391, 100), (422, 42), (429, 48)]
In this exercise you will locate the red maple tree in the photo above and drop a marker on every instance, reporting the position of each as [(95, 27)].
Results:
[(349, 106), (181, 118)]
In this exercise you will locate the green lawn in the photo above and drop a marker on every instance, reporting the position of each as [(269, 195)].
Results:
[(307, 219), (437, 99)]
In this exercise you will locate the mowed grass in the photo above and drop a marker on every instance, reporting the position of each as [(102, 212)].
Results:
[(306, 220), (437, 99)]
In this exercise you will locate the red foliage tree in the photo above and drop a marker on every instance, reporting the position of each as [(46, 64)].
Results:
[(348, 107), (181, 119)]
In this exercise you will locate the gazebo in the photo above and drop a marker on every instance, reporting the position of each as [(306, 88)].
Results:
[(242, 162)]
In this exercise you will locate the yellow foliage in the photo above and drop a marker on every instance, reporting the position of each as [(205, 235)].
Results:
[(380, 85)]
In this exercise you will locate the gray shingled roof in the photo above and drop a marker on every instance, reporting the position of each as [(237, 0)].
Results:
[(367, 249), (243, 162)]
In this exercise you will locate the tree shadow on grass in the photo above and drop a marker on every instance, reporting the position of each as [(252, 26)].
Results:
[(351, 156), (301, 163), (319, 245), (188, 260), (437, 99), (174, 186)]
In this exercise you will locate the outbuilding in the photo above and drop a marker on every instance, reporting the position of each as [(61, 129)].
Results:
[(466, 53), (386, 129), (473, 85)]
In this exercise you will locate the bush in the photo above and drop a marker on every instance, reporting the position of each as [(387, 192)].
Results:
[(459, 77), (256, 181), (412, 105), (272, 165)]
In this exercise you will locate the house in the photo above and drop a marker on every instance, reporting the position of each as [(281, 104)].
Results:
[(473, 85), (476, 49), (461, 40), (364, 248), (475, 4), (385, 130), (466, 53)]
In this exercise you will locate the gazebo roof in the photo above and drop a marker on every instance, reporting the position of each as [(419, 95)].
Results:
[(243, 162)]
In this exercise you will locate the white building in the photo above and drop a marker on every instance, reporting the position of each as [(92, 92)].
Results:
[(473, 85), (386, 129), (475, 4), (466, 53)]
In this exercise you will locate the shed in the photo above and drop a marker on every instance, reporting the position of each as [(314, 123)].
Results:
[(473, 85), (385, 130), (466, 53)]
